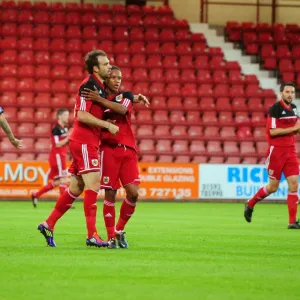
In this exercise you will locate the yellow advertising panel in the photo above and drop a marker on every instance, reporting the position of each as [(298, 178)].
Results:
[(158, 180)]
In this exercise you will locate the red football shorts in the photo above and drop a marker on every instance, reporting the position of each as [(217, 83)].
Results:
[(85, 158), (58, 166), (118, 163), (282, 160)]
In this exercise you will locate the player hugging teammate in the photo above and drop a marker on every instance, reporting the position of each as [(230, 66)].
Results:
[(84, 144)]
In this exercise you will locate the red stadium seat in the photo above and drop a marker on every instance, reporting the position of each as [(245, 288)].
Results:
[(235, 77), (9, 98), (200, 159), (207, 103), (43, 71), (199, 48), (25, 129), (136, 34), (172, 75), (221, 90), (177, 117), (270, 63), (184, 49), (204, 77), (168, 48), (193, 117), (42, 145), (225, 118), (25, 57), (161, 116), (145, 131), (250, 160), (9, 29), (25, 85), (232, 65), (11, 114), (239, 104), (242, 118), (42, 100), (167, 34), (231, 148), (25, 43), (259, 133), (258, 118), (41, 44), (42, 85), (174, 103), (227, 133), (163, 131), (165, 159), (10, 42), (183, 159), (57, 31), (10, 16), (205, 90), (163, 146), (261, 148), (26, 114), (172, 89), (57, 45), (244, 133), (195, 132), (211, 133), (197, 147), (154, 62), (39, 31), (247, 149), (190, 103), (170, 62), (186, 62), (214, 148), (254, 104), (8, 84), (210, 117), (180, 147), (220, 76), (223, 104), (73, 32), (138, 61), (216, 160), (148, 158)]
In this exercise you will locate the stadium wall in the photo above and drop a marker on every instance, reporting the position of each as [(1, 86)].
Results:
[(160, 181)]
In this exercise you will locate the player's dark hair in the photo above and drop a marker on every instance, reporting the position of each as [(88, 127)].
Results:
[(115, 68), (284, 84), (60, 111), (91, 59)]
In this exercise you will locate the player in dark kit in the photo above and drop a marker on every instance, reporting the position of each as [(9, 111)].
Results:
[(84, 145), (282, 125), (57, 159), (119, 160)]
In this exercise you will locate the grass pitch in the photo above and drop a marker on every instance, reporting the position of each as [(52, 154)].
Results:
[(177, 251)]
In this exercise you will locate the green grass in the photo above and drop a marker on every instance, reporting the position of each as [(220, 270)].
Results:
[(177, 251)]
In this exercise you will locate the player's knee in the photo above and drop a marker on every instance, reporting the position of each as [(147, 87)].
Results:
[(132, 194), (293, 186), (110, 195), (272, 188)]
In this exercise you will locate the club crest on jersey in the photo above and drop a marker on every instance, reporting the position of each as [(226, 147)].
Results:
[(271, 172), (95, 162), (106, 179), (119, 98)]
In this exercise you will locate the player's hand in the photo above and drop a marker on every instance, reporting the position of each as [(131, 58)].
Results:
[(111, 121), (91, 94), (141, 99), (16, 143), (113, 129)]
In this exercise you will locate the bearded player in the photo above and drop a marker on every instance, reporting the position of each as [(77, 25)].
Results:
[(282, 125)]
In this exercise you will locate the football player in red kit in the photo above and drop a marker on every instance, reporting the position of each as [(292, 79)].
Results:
[(84, 145), (119, 160), (282, 125), (57, 158)]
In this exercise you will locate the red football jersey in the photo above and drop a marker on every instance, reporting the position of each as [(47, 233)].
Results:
[(58, 133), (281, 116), (125, 135), (83, 133)]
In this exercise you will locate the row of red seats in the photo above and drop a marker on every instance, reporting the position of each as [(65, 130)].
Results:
[(260, 27), (151, 158), (200, 147), (154, 89), (192, 132), (26, 114), (202, 159), (268, 38), (29, 99), (225, 118), (85, 7), (201, 133), (284, 65), (117, 47), (281, 51), (92, 32), (291, 77), (232, 77), (184, 147), (88, 18), (122, 60)]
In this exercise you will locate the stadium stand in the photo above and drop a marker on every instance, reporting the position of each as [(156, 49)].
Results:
[(203, 109)]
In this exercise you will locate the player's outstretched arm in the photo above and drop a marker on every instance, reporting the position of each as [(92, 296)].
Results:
[(94, 96), (89, 119), (6, 128)]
